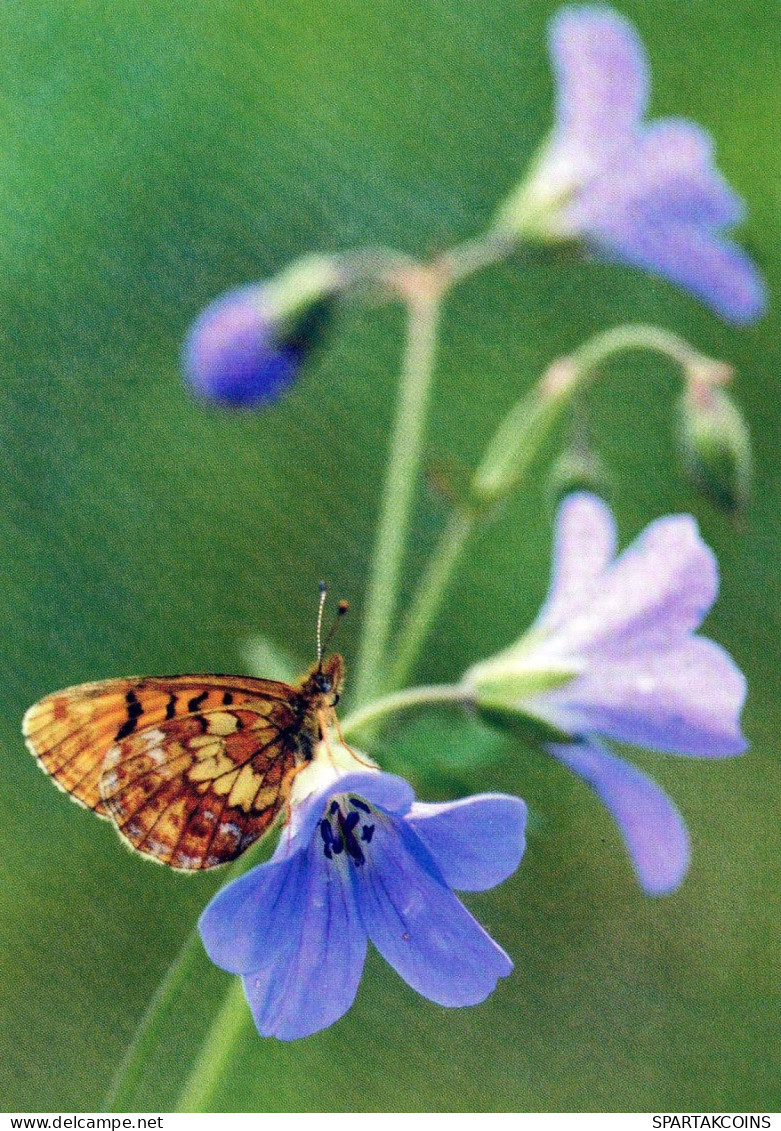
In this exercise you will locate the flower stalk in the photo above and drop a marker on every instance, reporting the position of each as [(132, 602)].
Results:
[(401, 481), (216, 1051), (408, 699)]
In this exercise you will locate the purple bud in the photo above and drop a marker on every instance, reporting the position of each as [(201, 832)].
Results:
[(247, 346), (232, 354)]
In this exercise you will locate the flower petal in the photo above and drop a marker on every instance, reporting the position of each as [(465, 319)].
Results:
[(686, 700), (585, 544), (476, 842), (696, 258), (318, 985), (248, 920), (669, 174), (305, 956), (652, 828), (650, 598), (601, 77), (420, 927)]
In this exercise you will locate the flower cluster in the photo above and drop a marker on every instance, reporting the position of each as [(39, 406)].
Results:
[(644, 193), (615, 654)]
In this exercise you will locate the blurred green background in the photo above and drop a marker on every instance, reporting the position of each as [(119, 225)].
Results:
[(155, 154)]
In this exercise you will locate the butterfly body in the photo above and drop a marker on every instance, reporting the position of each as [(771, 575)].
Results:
[(190, 769)]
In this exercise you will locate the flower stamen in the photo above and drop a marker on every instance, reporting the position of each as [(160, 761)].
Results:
[(344, 828)]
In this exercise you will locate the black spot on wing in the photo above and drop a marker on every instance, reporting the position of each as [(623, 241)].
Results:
[(134, 712)]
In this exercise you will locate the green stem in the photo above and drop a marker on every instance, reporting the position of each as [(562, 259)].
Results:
[(400, 482), (184, 969), (403, 701), (633, 337), (473, 255), (216, 1051), (509, 455), (429, 594), (123, 1095)]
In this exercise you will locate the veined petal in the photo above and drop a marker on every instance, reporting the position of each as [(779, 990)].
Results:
[(602, 77), (292, 929), (652, 828), (476, 842), (686, 700), (585, 544), (420, 927), (625, 629), (317, 981), (248, 922), (655, 594)]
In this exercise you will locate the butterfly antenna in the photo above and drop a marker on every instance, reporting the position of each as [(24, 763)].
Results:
[(323, 595), (341, 610)]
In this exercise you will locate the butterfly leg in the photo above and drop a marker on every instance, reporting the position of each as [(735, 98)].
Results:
[(358, 758)]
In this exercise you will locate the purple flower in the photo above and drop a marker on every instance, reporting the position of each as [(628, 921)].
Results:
[(615, 653), (248, 345), (232, 354), (362, 860), (646, 193)]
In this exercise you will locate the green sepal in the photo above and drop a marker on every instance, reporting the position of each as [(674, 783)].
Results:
[(528, 727), (533, 208), (509, 687), (578, 469), (300, 300)]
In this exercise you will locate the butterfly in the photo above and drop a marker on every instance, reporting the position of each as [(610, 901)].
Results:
[(191, 769)]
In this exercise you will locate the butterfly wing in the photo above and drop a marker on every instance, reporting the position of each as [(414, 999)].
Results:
[(191, 769)]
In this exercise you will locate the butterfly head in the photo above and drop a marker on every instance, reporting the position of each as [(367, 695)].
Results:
[(324, 682)]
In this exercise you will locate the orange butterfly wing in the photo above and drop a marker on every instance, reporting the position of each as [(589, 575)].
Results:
[(190, 769)]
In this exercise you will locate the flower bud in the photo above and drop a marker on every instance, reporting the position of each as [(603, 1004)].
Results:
[(716, 445), (248, 345), (522, 434)]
